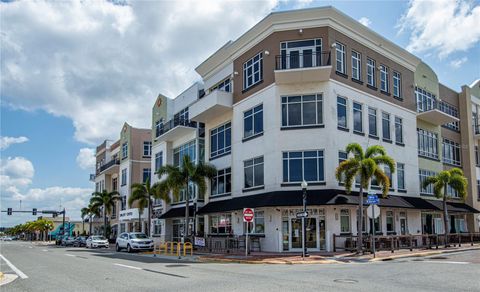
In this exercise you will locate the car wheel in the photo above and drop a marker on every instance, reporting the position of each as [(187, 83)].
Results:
[(129, 249)]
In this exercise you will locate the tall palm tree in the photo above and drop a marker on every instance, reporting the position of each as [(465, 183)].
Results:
[(366, 166), (106, 200), (178, 178), (90, 211), (457, 181), (142, 194)]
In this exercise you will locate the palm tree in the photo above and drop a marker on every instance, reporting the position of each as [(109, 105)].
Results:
[(106, 200), (178, 178), (453, 178), (365, 166), (90, 211)]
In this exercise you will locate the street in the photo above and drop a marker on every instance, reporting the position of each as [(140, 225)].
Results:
[(48, 268)]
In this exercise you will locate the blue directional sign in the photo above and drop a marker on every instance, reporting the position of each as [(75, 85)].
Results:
[(372, 199)]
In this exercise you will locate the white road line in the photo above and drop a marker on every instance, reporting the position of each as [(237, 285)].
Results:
[(15, 269), (44, 249), (69, 255), (445, 262), (130, 267)]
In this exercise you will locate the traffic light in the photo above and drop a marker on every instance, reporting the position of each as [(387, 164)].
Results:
[(9, 211), (34, 212)]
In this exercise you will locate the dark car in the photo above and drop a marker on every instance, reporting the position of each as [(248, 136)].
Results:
[(68, 240), (80, 241)]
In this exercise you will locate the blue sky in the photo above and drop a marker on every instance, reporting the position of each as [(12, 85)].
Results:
[(73, 72)]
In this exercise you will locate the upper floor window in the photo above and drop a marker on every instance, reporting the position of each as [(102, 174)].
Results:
[(477, 157), (124, 150), (356, 65), (451, 152), (253, 172), (222, 182), (423, 175), (371, 72), (302, 110), (146, 174), (342, 112), (181, 116), (158, 160), (340, 58), (253, 121), (188, 148), (425, 100), (427, 143), (399, 130), (253, 71), (300, 54), (357, 117), (147, 148), (158, 128), (384, 86), (225, 85), (455, 126), (220, 140), (397, 84), (124, 176), (372, 122), (303, 165), (386, 126), (123, 203), (401, 176)]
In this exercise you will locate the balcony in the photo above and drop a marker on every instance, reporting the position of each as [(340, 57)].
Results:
[(437, 113), (174, 129), (110, 167), (476, 131), (212, 105), (300, 68)]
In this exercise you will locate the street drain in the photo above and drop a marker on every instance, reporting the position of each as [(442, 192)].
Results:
[(345, 281), (176, 266)]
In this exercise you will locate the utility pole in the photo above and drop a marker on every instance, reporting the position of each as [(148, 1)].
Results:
[(63, 222)]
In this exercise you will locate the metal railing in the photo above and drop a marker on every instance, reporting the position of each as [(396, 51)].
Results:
[(476, 129), (109, 164), (167, 126), (295, 61), (432, 104), (230, 244)]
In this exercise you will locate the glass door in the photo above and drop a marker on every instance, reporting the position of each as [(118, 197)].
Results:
[(296, 233), (311, 233), (321, 229)]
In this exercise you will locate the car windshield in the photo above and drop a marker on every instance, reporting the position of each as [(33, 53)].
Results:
[(138, 235), (98, 238)]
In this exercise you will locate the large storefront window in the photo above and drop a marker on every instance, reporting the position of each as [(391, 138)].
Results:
[(258, 224), (221, 224), (344, 221)]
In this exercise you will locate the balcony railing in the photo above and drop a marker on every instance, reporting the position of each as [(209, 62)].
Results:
[(296, 61), (108, 165), (444, 107), (167, 126), (476, 129)]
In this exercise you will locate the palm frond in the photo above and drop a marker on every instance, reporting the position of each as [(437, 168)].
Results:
[(385, 160), (375, 150), (356, 150), (383, 180)]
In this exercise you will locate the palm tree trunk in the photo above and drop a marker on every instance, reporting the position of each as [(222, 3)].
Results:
[(105, 220), (139, 220), (90, 226), (149, 219), (360, 222), (445, 216), (187, 207)]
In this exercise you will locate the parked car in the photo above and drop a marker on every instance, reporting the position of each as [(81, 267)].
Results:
[(68, 240), (96, 241), (133, 241), (80, 241), (7, 238)]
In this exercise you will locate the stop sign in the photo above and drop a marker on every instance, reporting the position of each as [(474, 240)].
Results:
[(248, 214)]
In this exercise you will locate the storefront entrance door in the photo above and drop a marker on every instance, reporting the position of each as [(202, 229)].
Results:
[(311, 233)]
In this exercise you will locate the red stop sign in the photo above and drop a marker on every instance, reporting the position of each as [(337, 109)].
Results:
[(248, 214)]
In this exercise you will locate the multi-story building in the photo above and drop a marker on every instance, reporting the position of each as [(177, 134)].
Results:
[(279, 105)]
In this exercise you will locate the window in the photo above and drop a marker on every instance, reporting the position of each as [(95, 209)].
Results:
[(398, 130), (340, 58), (258, 224), (158, 160), (427, 144), (303, 165), (451, 192), (342, 156), (425, 100), (478, 190), (147, 148), (158, 128), (123, 202), (115, 184), (451, 152), (397, 84), (184, 150), (477, 157), (386, 126), (372, 122), (384, 78), (253, 170), (300, 54), (344, 221), (225, 85), (341, 112), (253, 121), (220, 140), (124, 176), (356, 65), (401, 176), (388, 173), (302, 110), (157, 227), (146, 174), (423, 174), (357, 117), (221, 224), (222, 183), (371, 72), (113, 215), (253, 71), (181, 117), (390, 222), (124, 150), (455, 126)]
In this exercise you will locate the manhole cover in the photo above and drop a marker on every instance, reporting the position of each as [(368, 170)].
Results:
[(176, 266), (347, 281)]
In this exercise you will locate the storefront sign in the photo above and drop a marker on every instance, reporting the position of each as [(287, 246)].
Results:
[(199, 241)]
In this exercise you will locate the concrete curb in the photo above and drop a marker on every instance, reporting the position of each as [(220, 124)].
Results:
[(7, 278), (422, 254), (267, 262)]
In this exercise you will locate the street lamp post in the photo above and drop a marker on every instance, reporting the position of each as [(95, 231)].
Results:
[(304, 227)]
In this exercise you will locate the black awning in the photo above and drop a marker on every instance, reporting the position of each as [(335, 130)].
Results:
[(420, 203), (176, 212), (454, 207), (352, 199)]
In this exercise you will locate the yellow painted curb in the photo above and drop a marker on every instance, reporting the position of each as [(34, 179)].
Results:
[(1, 275)]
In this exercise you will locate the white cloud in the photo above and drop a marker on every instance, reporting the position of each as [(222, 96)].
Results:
[(458, 62), (86, 158), (16, 172), (100, 64), (6, 141), (301, 3), (441, 26), (365, 21)]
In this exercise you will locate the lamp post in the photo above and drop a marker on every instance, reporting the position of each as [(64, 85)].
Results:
[(304, 227)]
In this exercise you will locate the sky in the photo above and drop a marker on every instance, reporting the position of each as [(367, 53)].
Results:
[(72, 72)]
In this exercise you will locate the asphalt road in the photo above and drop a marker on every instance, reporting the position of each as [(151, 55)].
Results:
[(79, 269)]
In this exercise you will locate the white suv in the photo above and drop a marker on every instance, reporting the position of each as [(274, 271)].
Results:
[(134, 241)]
